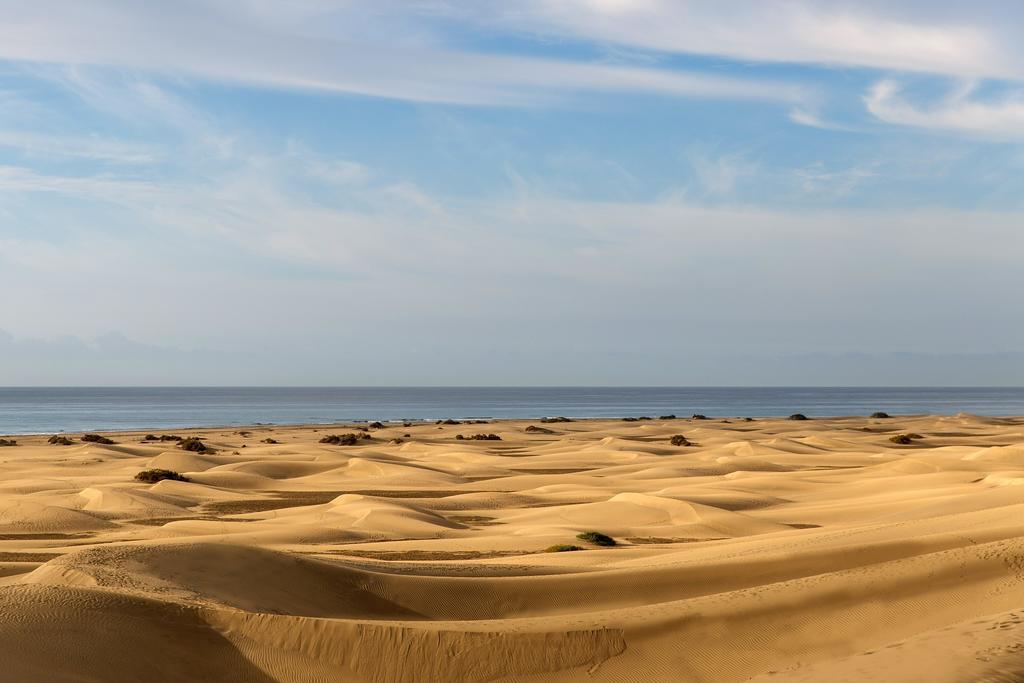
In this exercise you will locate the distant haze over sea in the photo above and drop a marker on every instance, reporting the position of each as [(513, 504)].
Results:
[(41, 410)]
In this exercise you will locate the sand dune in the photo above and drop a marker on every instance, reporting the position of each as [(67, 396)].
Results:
[(772, 550)]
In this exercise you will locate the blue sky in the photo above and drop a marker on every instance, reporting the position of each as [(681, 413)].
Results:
[(519, 192)]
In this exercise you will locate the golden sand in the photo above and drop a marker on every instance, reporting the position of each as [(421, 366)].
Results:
[(772, 550)]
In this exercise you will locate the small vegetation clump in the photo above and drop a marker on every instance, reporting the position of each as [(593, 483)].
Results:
[(162, 437), (679, 440), (698, 416), (880, 416), (449, 421), (644, 418), (153, 476), (8, 442), (396, 441), (902, 439), (748, 419), (59, 440), (550, 420), (597, 538), (194, 445), (562, 548), (797, 416), (376, 425), (667, 417), (485, 437), (270, 440), (534, 429), (96, 438), (629, 419), (912, 435), (340, 439)]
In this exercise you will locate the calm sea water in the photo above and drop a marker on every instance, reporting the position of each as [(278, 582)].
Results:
[(42, 410)]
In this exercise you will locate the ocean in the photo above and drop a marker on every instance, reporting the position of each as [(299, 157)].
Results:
[(26, 410)]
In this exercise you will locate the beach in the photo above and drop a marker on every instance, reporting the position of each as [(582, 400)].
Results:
[(822, 549)]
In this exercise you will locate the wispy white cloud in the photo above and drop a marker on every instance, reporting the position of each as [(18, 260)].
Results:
[(102, 187), (821, 182), (962, 111), (272, 46), (85, 146), (812, 119), (936, 37), (719, 174)]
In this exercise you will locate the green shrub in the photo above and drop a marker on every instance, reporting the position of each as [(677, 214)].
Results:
[(549, 420), (698, 416), (96, 438), (561, 548), (667, 417), (797, 416), (340, 439), (270, 440), (153, 476), (194, 445), (880, 416), (59, 440), (534, 429), (376, 425), (679, 440), (597, 538)]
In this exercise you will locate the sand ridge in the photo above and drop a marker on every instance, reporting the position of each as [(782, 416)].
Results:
[(769, 550)]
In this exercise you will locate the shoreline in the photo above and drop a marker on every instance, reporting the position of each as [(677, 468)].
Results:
[(53, 410)]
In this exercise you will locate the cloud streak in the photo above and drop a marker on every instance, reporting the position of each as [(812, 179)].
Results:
[(959, 112), (247, 44), (935, 37), (91, 147)]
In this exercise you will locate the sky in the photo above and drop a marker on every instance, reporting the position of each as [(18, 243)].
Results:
[(524, 192)]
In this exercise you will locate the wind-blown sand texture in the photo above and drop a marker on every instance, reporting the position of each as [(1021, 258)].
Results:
[(772, 550)]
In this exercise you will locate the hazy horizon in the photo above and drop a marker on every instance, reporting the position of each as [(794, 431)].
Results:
[(526, 193)]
